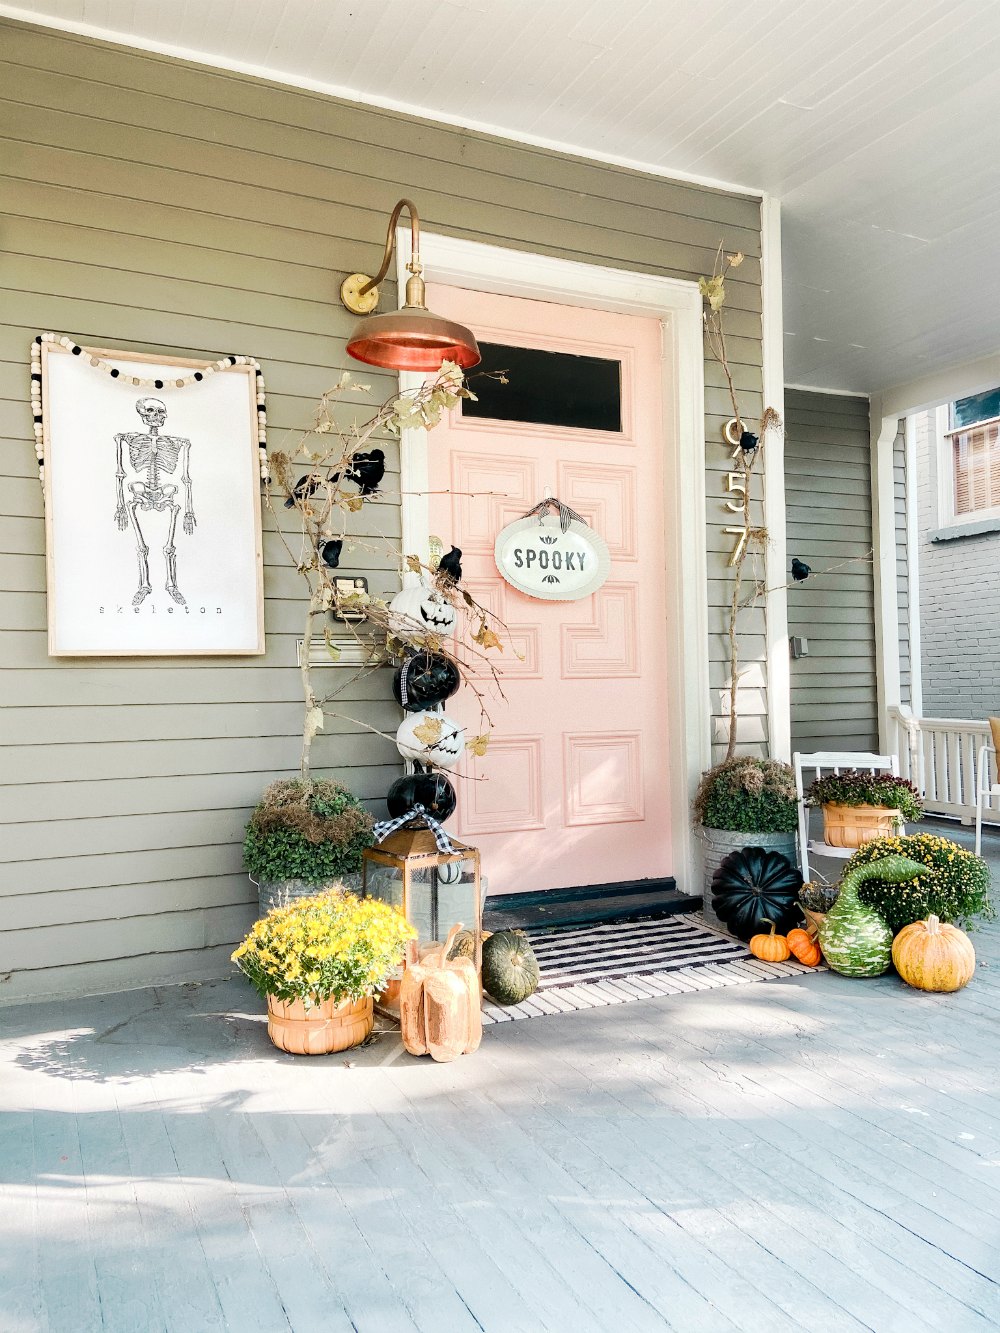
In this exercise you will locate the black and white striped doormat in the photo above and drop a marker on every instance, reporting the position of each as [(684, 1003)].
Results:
[(590, 966)]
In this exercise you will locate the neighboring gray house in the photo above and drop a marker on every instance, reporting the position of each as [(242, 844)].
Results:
[(958, 551)]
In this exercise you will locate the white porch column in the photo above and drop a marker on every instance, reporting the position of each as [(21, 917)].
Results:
[(779, 699), (884, 430)]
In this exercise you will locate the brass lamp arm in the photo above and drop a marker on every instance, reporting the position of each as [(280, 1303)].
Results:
[(390, 244)]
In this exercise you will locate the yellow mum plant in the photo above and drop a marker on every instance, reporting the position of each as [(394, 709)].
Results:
[(331, 946)]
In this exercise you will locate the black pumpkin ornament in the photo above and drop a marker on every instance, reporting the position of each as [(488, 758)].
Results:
[(431, 790), (425, 680), (754, 888)]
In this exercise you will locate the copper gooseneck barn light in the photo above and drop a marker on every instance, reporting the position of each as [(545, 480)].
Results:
[(412, 338)]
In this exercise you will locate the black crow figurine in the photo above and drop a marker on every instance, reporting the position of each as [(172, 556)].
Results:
[(451, 565), (367, 471), (329, 552), (748, 442), (303, 489), (800, 570)]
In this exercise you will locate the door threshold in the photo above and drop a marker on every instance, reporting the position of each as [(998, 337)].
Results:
[(632, 900)]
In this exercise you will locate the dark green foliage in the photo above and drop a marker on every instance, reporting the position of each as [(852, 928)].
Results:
[(314, 831), (859, 788), (510, 969), (748, 795), (754, 889), (957, 889)]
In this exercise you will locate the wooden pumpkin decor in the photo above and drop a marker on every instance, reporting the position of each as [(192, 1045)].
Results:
[(804, 948), (856, 942), (770, 948), (933, 955), (421, 606), (432, 739), (754, 889), (439, 1004), (510, 969)]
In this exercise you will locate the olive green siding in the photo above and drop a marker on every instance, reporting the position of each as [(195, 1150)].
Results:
[(162, 206), (828, 495)]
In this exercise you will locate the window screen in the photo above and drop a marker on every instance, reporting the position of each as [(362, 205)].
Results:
[(976, 455), (547, 388)]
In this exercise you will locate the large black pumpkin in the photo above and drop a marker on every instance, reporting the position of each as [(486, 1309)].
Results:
[(754, 888), (431, 790), (430, 679)]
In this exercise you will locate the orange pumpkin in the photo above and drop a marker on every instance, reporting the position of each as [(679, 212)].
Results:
[(804, 947), (933, 955), (770, 948), (439, 1004)]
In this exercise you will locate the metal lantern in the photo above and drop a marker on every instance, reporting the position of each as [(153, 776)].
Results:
[(433, 889)]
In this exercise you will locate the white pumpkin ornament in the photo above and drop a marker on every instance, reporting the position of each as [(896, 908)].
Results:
[(420, 604), (430, 738)]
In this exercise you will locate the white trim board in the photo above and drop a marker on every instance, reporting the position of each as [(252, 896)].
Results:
[(678, 306), (779, 685), (92, 30)]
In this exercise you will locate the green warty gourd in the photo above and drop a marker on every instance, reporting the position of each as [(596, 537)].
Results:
[(856, 942)]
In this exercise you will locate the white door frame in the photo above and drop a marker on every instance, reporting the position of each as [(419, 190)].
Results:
[(678, 305)]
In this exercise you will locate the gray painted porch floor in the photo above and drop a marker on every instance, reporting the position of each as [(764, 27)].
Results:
[(813, 1153)]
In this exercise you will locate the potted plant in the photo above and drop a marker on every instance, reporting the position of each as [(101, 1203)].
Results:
[(745, 802), (815, 900), (859, 806), (305, 835), (956, 888), (318, 962)]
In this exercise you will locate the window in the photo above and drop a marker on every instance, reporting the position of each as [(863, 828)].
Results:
[(547, 388), (974, 441)]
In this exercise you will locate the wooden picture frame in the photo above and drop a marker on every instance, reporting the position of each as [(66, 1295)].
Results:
[(153, 539)]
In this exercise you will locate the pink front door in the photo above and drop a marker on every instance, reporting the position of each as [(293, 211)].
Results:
[(574, 789)]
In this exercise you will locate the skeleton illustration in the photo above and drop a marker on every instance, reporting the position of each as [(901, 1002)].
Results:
[(151, 455)]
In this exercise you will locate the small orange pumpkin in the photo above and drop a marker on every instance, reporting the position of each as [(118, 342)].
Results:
[(804, 947), (770, 948)]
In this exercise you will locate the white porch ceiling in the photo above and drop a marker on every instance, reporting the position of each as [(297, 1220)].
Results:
[(876, 122)]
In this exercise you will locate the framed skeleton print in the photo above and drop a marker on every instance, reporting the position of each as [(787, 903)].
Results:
[(151, 469)]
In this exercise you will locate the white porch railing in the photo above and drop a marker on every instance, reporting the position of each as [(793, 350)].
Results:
[(938, 755)]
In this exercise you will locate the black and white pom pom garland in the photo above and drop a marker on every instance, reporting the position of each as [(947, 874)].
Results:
[(138, 382)]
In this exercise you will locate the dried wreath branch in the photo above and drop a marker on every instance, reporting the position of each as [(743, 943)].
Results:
[(748, 449), (341, 478)]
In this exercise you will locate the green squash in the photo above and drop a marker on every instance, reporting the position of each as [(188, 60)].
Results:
[(510, 969), (856, 942)]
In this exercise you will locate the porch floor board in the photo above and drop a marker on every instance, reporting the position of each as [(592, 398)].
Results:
[(812, 1153)]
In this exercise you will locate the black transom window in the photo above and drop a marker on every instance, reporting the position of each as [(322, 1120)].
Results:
[(547, 388)]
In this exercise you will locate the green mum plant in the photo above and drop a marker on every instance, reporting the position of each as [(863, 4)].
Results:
[(956, 887), (314, 831), (748, 795), (854, 788), (333, 946)]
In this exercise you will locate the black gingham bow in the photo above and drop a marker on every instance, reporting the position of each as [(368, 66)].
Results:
[(566, 515), (444, 844)]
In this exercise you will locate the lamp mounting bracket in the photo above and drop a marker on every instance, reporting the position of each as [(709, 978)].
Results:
[(351, 294)]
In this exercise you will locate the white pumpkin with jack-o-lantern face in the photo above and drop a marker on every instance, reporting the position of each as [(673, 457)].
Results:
[(430, 738), (421, 605)]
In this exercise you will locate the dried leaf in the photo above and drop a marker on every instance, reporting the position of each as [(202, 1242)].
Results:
[(331, 647), (486, 639), (314, 721), (413, 564), (429, 731), (352, 503), (737, 259), (478, 745)]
